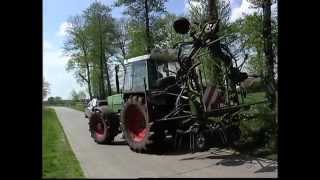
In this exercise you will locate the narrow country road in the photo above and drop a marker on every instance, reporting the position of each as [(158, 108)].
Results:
[(118, 161)]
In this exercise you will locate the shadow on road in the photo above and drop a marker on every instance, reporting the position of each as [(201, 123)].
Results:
[(227, 158), (233, 159)]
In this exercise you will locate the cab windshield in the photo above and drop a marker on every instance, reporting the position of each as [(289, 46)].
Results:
[(135, 75)]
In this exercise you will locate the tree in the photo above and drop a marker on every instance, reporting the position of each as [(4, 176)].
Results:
[(89, 45), (51, 100), (122, 40), (271, 88), (138, 44), (143, 12), (77, 46), (165, 36), (200, 12), (101, 32), (58, 100), (248, 41), (54, 100), (45, 89), (76, 96)]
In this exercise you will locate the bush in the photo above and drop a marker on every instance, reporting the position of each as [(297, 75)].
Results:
[(259, 129), (256, 87)]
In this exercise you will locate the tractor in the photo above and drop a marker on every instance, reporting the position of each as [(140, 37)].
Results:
[(163, 95)]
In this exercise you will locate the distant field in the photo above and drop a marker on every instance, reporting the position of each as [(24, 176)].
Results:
[(58, 159)]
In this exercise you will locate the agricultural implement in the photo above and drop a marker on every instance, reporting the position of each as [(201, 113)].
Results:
[(164, 95)]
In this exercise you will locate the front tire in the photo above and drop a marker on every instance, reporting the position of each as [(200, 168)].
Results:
[(139, 131)]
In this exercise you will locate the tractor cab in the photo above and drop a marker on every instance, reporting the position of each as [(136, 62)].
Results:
[(149, 72)]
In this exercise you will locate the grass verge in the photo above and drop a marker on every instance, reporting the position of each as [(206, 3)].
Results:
[(58, 159), (79, 107)]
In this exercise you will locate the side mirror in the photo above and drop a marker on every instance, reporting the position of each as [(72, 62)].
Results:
[(181, 25)]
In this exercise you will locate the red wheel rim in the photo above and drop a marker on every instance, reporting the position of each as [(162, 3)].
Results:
[(136, 123), (99, 129)]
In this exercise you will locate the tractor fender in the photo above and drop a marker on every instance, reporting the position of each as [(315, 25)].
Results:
[(87, 113), (107, 113), (104, 110)]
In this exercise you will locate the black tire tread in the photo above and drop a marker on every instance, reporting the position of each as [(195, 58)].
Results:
[(153, 137), (108, 120)]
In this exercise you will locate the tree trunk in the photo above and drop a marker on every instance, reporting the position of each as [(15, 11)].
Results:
[(117, 78), (267, 36), (213, 16), (89, 80), (102, 90), (88, 71), (147, 26), (220, 57), (108, 78)]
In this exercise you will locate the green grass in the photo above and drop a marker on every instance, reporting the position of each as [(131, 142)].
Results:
[(58, 159), (255, 97)]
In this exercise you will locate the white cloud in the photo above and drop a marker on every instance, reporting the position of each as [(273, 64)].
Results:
[(63, 29), (244, 9), (54, 63), (187, 5)]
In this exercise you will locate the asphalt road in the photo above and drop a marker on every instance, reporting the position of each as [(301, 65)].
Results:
[(118, 161)]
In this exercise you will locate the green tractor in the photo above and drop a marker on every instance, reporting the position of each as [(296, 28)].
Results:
[(163, 95), (134, 111)]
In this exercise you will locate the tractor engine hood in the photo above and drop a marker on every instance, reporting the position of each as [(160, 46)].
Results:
[(164, 55)]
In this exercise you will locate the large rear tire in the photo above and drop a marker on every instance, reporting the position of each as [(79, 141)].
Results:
[(103, 126), (139, 131)]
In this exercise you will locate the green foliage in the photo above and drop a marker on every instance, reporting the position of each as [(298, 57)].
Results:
[(136, 11), (76, 46), (138, 41), (58, 159), (247, 39), (76, 96), (210, 68), (89, 43), (163, 32), (199, 13), (122, 40), (55, 100), (101, 29), (255, 97), (259, 130)]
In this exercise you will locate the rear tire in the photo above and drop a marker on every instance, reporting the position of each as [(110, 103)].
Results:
[(139, 131), (102, 126), (201, 142)]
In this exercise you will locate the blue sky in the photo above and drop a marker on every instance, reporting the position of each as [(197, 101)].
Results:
[(55, 16)]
